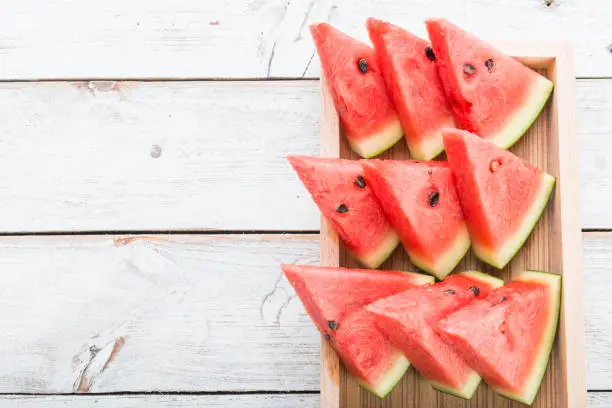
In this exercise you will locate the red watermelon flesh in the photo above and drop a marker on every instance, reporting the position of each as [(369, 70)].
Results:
[(358, 90), (408, 319), (409, 69), (502, 195), (420, 202), (334, 299), (491, 94), (340, 191), (507, 337)]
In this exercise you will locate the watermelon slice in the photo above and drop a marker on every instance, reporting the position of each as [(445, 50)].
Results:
[(408, 319), (502, 196), (420, 202), (409, 69), (333, 297), (491, 94), (507, 337), (358, 90), (340, 191)]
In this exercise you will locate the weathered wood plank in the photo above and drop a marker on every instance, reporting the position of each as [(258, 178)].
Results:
[(162, 401), (256, 38), (600, 400), (597, 267), (187, 313), (194, 313), (155, 156), (594, 104), (166, 156)]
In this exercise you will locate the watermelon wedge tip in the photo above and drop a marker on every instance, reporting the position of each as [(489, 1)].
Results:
[(507, 337), (358, 90), (334, 300), (491, 94), (502, 196), (420, 202), (346, 200), (409, 70), (408, 319)]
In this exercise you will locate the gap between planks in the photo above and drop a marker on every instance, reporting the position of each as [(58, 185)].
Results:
[(154, 393), (205, 79), (585, 231), (158, 232)]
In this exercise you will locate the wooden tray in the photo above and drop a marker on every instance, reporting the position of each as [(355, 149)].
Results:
[(555, 245)]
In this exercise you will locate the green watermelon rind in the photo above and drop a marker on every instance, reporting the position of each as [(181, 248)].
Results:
[(502, 256), (419, 279), (466, 392), (431, 146), (526, 115), (473, 382), (485, 278), (378, 142), (390, 379), (548, 339), (376, 257), (449, 260), (399, 368)]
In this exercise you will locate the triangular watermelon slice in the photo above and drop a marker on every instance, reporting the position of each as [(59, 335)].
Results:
[(502, 195), (358, 90), (340, 191), (420, 202), (411, 77), (408, 319), (507, 337), (334, 299), (491, 94)]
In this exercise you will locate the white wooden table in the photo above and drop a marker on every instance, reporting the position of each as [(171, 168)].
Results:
[(145, 206)]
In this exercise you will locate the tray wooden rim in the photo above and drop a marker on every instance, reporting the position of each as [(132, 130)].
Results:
[(557, 58)]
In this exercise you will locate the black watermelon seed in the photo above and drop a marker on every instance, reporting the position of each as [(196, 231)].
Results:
[(430, 172), (449, 291), (327, 336), (332, 324), (490, 65), (434, 198), (503, 299), (363, 65), (475, 289), (469, 69), (342, 209), (430, 53), (360, 182)]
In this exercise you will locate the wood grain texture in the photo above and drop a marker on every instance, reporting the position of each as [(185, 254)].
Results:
[(598, 304), (173, 313), (553, 246), (104, 155), (162, 401), (195, 314), (593, 105), (330, 250), (256, 38), (562, 144), (81, 155), (600, 400)]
